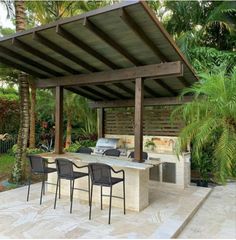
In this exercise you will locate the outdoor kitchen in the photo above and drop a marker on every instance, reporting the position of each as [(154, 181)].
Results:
[(172, 171)]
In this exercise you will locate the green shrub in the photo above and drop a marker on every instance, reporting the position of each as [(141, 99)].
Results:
[(87, 143), (73, 147), (13, 150)]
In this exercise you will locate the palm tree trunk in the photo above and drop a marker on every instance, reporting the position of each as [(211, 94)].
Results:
[(68, 131), (32, 115), (19, 169)]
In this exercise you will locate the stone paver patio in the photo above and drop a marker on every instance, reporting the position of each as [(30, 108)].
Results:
[(169, 210), (217, 216)]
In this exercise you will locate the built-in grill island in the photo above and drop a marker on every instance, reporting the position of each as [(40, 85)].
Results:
[(109, 143)]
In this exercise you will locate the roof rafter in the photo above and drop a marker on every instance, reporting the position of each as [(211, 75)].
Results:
[(81, 93), (149, 90), (22, 68), (31, 62), (111, 42), (165, 86), (77, 42), (95, 92), (44, 41), (140, 33), (19, 44), (110, 91), (124, 88)]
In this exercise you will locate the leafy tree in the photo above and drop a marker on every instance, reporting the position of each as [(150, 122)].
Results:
[(211, 118), (203, 30)]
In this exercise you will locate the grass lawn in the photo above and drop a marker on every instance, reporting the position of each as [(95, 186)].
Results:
[(6, 164)]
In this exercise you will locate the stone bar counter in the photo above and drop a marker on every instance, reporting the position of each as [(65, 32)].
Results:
[(136, 180)]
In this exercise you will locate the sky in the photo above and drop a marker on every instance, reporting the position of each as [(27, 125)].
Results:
[(4, 22)]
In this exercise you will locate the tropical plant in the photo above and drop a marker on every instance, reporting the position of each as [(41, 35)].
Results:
[(150, 144), (73, 147), (212, 114)]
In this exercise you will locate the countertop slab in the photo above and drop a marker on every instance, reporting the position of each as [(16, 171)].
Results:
[(122, 162)]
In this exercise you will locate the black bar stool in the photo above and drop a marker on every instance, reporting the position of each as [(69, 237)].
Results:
[(38, 165), (145, 155), (112, 152), (101, 176), (85, 150), (65, 171)]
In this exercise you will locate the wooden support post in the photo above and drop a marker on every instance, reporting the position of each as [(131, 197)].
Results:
[(100, 122), (59, 121), (138, 131)]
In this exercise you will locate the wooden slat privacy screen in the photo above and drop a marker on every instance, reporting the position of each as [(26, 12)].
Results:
[(157, 122)]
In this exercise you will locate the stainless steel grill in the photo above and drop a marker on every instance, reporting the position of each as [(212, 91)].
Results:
[(108, 143)]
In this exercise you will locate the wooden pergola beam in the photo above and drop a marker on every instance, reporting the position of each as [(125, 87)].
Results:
[(19, 44), (146, 102), (100, 122), (77, 42), (30, 62), (59, 121), (22, 68), (39, 38), (138, 120), (170, 69), (107, 39)]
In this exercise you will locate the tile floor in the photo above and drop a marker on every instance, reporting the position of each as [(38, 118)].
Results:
[(168, 212)]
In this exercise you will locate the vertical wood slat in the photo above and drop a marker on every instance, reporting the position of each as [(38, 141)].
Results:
[(156, 121), (138, 127), (59, 121), (100, 121)]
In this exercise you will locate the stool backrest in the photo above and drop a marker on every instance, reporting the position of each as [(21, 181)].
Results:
[(64, 168), (145, 155), (100, 173), (85, 150), (112, 152), (37, 163)]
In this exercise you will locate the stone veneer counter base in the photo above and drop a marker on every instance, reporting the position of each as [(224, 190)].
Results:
[(136, 180), (169, 210)]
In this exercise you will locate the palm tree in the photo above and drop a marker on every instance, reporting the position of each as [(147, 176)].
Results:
[(32, 114), (211, 118), (19, 169)]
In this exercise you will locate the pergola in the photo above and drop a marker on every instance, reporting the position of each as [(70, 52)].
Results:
[(115, 56)]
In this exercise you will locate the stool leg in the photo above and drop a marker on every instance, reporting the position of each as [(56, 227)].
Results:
[(29, 183), (124, 194), (109, 220), (55, 201), (59, 188), (44, 178), (101, 197), (41, 196), (89, 189), (72, 191), (91, 200)]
